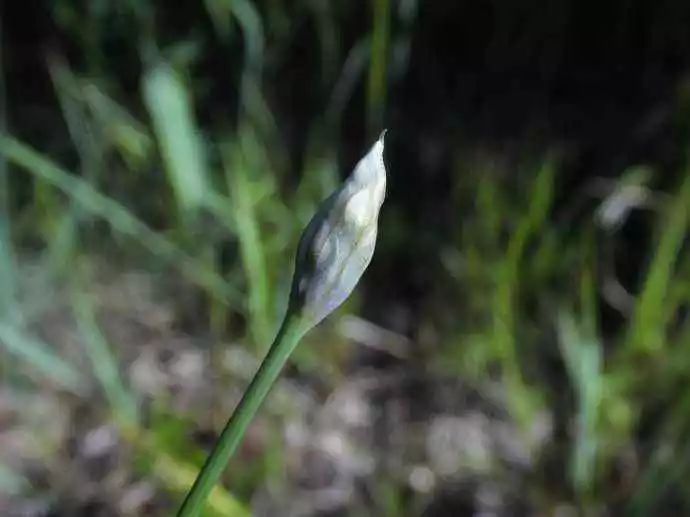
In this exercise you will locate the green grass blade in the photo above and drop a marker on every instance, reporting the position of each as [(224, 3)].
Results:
[(647, 331), (103, 360), (40, 357), (582, 355), (249, 20), (251, 246), (178, 476), (118, 217), (86, 141), (505, 304), (169, 104), (119, 127), (7, 266), (8, 274)]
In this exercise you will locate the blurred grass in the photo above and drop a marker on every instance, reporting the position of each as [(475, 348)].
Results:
[(508, 276), (104, 362), (530, 269), (245, 195), (41, 358), (171, 112), (647, 333), (518, 298), (583, 357), (117, 216), (7, 266)]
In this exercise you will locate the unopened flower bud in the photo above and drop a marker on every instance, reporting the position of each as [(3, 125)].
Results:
[(338, 243)]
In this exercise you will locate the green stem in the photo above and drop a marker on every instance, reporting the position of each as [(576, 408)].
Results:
[(291, 331)]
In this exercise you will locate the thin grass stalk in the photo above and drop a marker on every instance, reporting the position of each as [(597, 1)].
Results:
[(41, 358), (506, 309), (250, 241), (171, 108), (7, 266), (289, 335), (119, 218), (103, 360), (647, 331)]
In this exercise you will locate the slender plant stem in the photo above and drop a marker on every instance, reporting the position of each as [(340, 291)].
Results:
[(291, 331)]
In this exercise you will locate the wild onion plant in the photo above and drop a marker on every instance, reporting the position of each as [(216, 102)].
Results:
[(334, 250)]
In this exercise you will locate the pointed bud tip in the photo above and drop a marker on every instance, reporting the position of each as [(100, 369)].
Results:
[(338, 243)]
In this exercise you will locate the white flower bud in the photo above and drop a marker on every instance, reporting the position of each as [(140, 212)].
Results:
[(338, 243)]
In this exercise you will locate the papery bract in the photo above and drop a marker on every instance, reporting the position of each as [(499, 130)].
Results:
[(338, 243)]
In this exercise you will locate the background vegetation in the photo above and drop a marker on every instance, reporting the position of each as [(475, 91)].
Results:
[(520, 344)]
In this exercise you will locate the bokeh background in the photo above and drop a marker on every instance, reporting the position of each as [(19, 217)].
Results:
[(520, 344)]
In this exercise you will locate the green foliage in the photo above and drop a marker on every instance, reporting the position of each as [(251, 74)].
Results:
[(515, 269), (150, 172), (652, 312), (506, 312), (103, 361), (171, 112), (116, 215), (246, 192), (582, 355), (40, 357)]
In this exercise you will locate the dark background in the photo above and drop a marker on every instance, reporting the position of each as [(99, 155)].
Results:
[(520, 344)]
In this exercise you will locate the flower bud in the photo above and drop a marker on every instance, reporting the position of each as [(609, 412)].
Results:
[(338, 243)]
